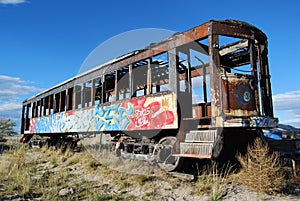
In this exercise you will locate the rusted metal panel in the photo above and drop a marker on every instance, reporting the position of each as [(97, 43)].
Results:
[(238, 94)]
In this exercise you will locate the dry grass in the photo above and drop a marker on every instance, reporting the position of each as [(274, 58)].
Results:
[(213, 180), (261, 171)]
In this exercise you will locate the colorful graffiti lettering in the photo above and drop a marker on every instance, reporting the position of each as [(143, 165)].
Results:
[(134, 114), (113, 117)]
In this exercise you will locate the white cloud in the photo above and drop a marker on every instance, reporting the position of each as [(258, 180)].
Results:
[(290, 102), (12, 1), (12, 90), (14, 86)]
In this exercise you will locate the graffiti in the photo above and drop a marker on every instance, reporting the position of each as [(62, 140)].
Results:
[(142, 117), (150, 116), (113, 117), (138, 113), (263, 122)]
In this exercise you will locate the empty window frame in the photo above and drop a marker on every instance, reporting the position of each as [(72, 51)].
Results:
[(160, 73), (62, 101), (123, 83), (200, 82), (235, 55), (56, 102), (97, 91), (87, 92), (78, 101), (110, 94), (51, 104), (46, 108), (139, 78), (69, 103)]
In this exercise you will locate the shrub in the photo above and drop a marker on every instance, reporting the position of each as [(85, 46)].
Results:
[(261, 170)]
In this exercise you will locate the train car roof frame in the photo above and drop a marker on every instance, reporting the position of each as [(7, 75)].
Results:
[(233, 28)]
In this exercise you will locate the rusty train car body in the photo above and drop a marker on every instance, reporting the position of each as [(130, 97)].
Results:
[(203, 93)]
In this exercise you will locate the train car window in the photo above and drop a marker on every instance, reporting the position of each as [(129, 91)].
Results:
[(123, 83), (183, 72), (63, 101), (56, 102), (51, 104), (87, 92), (38, 108), (42, 107), (234, 55), (160, 73), (110, 95), (33, 110), (46, 109), (78, 104), (139, 78), (28, 116), (70, 99), (200, 82), (97, 91)]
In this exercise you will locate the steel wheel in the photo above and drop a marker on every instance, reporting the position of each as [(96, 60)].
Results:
[(165, 159)]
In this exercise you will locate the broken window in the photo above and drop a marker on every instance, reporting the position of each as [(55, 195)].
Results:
[(87, 92), (51, 104), (56, 103), (160, 73), (46, 109), (62, 101), (123, 83), (78, 104), (139, 78), (98, 91), (69, 103), (234, 55), (110, 95)]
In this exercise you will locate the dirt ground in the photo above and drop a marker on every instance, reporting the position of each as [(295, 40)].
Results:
[(79, 176)]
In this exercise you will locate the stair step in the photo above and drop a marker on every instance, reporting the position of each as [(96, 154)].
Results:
[(201, 136), (201, 149)]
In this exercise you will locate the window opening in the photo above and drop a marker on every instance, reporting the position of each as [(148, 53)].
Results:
[(87, 91), (78, 92), (62, 101), (160, 73), (139, 78), (123, 83), (98, 91), (57, 101), (70, 99), (110, 94)]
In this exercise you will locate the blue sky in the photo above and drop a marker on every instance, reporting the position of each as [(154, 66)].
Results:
[(43, 43)]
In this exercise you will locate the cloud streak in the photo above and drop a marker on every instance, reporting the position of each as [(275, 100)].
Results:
[(12, 2), (289, 102)]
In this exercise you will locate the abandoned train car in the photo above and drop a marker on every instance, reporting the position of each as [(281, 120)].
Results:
[(203, 93)]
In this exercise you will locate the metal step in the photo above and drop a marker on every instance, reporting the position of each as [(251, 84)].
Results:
[(201, 136), (200, 149)]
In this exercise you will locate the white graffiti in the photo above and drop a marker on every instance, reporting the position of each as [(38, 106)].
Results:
[(142, 117)]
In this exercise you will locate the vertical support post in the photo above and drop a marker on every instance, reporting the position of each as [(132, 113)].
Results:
[(103, 83), (149, 85), (253, 57), (173, 75), (215, 79), (93, 92), (116, 86), (130, 80)]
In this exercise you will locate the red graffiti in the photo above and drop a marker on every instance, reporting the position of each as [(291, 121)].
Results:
[(151, 116)]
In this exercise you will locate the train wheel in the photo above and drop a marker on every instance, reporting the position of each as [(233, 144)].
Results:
[(165, 159)]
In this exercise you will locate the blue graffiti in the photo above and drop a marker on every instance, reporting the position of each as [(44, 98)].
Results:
[(42, 125), (113, 117)]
